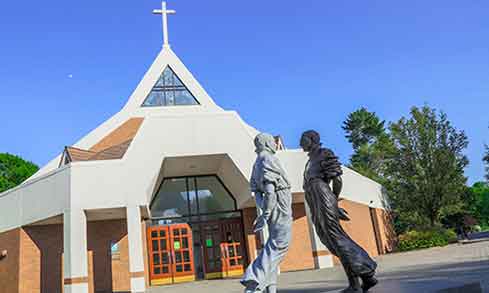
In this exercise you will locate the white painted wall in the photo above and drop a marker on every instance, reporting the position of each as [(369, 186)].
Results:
[(356, 187), (40, 199)]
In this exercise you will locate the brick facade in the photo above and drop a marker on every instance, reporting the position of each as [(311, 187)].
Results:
[(370, 228), (35, 258), (300, 255), (35, 253), (10, 265)]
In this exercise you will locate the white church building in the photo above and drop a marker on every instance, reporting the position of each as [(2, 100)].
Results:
[(153, 196)]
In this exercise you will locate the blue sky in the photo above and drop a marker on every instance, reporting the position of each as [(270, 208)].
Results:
[(285, 66)]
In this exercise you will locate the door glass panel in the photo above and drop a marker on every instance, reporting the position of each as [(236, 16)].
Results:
[(187, 267), (157, 270), (165, 270), (163, 244), (156, 258), (178, 257), (154, 234), (155, 245), (186, 256), (165, 258), (162, 233), (179, 268), (185, 242)]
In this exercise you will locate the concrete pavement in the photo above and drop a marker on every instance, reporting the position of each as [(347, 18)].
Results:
[(455, 268)]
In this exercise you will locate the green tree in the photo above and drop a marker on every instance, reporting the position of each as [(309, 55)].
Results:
[(14, 170), (371, 144), (479, 207), (426, 173), (363, 128)]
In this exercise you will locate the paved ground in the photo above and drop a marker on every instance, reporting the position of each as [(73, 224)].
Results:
[(455, 268)]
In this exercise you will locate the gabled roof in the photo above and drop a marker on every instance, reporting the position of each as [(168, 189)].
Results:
[(116, 152)]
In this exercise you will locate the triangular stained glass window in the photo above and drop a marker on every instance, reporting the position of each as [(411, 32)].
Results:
[(169, 91)]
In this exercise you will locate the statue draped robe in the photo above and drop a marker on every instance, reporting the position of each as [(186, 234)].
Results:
[(322, 168), (264, 270)]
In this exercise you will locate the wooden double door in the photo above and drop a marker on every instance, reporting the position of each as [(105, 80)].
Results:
[(222, 248), (171, 258), (211, 250)]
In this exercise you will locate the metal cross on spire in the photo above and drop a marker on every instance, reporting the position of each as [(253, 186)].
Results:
[(164, 13)]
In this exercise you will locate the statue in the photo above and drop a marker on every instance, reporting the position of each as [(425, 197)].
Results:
[(323, 169), (271, 189)]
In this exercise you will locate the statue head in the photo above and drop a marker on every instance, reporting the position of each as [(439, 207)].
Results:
[(310, 140), (265, 142)]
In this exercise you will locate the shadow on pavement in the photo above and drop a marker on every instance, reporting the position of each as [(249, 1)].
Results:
[(450, 278)]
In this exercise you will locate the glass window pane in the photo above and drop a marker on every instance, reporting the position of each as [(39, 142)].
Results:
[(213, 197), (163, 245), (192, 195), (165, 270), (171, 200), (185, 243), (165, 258), (178, 257), (187, 268), (157, 271), (186, 256), (179, 268), (169, 91), (156, 258)]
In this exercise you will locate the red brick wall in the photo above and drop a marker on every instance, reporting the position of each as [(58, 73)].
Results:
[(388, 238), (41, 259), (110, 274), (300, 255), (35, 260), (360, 228), (9, 266)]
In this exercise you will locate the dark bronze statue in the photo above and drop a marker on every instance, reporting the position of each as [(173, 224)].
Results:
[(323, 170)]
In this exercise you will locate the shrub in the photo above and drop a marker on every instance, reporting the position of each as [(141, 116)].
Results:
[(413, 239)]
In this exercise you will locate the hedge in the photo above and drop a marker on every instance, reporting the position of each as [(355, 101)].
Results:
[(413, 240)]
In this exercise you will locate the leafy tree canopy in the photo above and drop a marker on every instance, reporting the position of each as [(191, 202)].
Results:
[(14, 170), (371, 144), (480, 203), (426, 173), (363, 127)]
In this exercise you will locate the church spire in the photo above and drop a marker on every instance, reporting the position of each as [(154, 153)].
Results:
[(164, 13)]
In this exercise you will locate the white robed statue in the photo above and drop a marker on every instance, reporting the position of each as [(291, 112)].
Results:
[(271, 188)]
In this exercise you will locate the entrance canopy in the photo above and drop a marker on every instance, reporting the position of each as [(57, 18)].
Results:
[(219, 165)]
